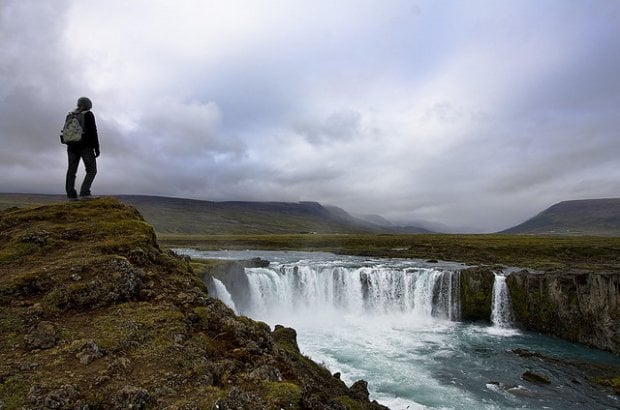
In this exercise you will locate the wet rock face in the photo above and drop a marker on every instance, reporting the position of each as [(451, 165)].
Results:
[(576, 306), (476, 293), (359, 390), (536, 378), (581, 307)]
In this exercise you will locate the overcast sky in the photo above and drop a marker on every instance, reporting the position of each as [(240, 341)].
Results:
[(468, 113)]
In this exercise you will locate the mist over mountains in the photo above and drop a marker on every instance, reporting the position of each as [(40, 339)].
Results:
[(239, 217)]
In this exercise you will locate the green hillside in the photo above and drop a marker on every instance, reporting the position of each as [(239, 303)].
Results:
[(188, 216), (177, 215), (580, 217)]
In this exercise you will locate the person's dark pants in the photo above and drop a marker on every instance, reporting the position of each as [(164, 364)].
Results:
[(90, 163)]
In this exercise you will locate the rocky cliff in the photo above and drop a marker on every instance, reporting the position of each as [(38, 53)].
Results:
[(576, 306), (94, 315), (476, 287), (581, 307)]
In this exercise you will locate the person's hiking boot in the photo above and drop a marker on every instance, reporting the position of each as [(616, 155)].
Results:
[(87, 196)]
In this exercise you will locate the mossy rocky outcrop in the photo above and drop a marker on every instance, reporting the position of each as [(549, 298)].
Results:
[(476, 287), (94, 315)]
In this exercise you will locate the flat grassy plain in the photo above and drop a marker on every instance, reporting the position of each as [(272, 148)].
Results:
[(574, 253)]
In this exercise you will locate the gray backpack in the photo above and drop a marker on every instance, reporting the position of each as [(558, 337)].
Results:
[(73, 128)]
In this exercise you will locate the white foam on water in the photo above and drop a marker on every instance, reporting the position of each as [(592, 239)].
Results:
[(372, 322)]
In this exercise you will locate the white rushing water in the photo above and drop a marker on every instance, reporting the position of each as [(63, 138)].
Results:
[(341, 290), (501, 314), (222, 294), (395, 324)]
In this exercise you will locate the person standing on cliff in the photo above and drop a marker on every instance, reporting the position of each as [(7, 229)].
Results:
[(87, 149)]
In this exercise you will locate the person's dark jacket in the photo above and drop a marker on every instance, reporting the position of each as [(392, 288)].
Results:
[(90, 138)]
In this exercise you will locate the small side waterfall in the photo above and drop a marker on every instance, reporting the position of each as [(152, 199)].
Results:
[(501, 313), (222, 294)]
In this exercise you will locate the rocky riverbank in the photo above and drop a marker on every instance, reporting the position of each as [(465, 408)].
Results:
[(94, 315)]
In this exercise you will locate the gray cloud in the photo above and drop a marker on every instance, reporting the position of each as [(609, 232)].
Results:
[(474, 114), (340, 125)]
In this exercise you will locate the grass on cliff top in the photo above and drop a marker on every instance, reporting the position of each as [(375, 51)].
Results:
[(536, 252), (44, 232)]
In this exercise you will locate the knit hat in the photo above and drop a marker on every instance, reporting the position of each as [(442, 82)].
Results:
[(84, 103)]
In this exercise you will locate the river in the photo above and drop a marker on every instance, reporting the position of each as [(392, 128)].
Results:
[(395, 323)]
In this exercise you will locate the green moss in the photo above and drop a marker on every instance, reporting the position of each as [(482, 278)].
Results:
[(11, 329), (476, 294), (518, 299), (534, 307), (205, 265), (208, 398), (349, 403), (9, 322), (286, 338), (204, 316), (283, 394), (56, 299), (14, 392), (613, 382), (130, 227), (140, 328), (17, 250)]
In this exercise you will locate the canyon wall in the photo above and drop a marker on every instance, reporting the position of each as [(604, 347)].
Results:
[(575, 306), (580, 307)]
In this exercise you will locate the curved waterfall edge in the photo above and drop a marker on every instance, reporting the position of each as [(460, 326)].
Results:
[(422, 292), (578, 306)]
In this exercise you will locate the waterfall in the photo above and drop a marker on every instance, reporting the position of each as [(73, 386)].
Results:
[(501, 313), (447, 302), (329, 290), (222, 294)]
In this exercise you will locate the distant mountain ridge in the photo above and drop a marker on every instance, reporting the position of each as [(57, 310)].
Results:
[(173, 215), (577, 217), (192, 216)]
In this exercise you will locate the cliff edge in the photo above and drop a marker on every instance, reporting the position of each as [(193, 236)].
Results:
[(94, 315)]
